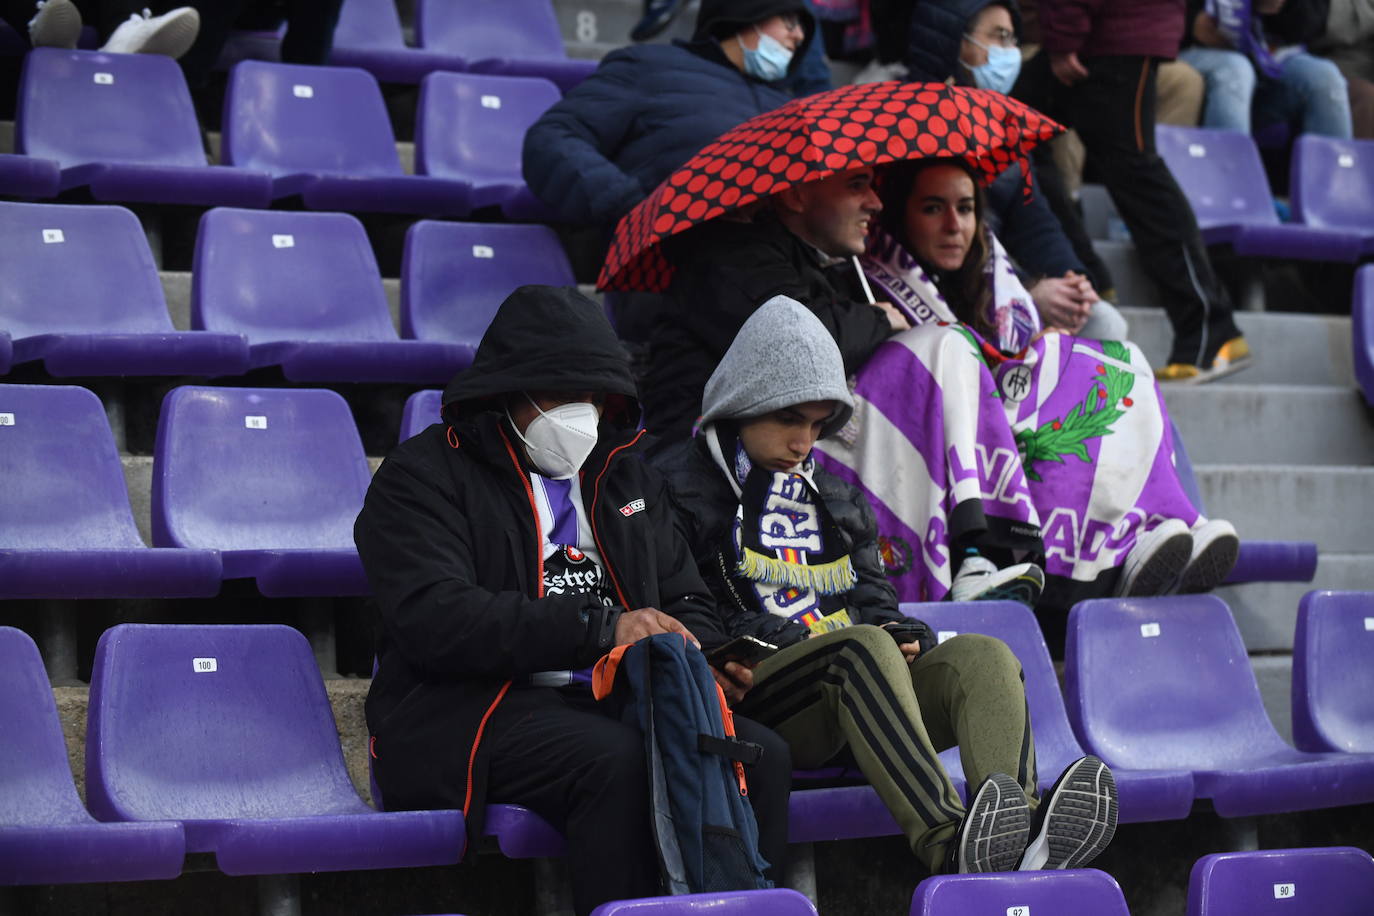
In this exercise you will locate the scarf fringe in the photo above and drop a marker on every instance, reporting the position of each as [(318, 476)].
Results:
[(833, 578)]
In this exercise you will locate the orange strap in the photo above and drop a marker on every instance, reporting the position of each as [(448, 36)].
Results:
[(603, 672)]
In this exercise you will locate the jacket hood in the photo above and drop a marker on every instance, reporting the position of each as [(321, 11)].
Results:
[(937, 32), (544, 338), (782, 356), (719, 19)]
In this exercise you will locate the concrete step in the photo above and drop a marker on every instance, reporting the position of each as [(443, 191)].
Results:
[(1328, 505), (1272, 424), (1289, 348), (1267, 611)]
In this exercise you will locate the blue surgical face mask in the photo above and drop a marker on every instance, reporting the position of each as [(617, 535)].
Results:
[(768, 61), (1000, 72)]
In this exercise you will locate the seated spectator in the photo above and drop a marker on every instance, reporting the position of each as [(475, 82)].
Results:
[(974, 42), (1018, 439), (503, 563), (647, 109), (1252, 55), (1348, 42), (126, 26), (791, 554)]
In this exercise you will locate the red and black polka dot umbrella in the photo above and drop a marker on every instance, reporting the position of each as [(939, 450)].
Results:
[(810, 139)]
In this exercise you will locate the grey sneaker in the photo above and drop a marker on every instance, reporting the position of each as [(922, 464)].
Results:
[(994, 830), (170, 34), (1157, 560), (979, 579), (1215, 549), (1076, 820), (56, 25)]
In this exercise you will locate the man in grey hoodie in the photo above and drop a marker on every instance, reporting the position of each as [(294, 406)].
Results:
[(791, 554)]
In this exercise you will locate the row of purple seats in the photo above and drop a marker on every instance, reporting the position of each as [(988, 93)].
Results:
[(123, 127), (203, 739), (270, 288), (1332, 185)]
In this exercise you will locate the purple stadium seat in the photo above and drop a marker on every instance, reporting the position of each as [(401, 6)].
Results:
[(1144, 794), (6, 352), (1259, 561), (1334, 881), (46, 834), (471, 128), (421, 410), (1076, 892), (1223, 178), (507, 37), (1333, 672), (774, 902), (29, 177), (228, 730), (271, 478), (1362, 330), (323, 134), (369, 36), (124, 125), (305, 290), (1331, 185), (81, 293), (55, 441), (455, 275), (1166, 683)]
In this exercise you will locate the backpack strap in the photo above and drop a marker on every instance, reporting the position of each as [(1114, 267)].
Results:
[(604, 671)]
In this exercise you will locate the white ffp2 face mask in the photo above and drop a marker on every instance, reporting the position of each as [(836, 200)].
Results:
[(559, 440)]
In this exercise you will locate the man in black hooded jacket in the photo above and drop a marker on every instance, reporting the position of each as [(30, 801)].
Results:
[(510, 546)]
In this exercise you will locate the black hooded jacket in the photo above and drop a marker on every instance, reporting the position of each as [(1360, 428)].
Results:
[(449, 537)]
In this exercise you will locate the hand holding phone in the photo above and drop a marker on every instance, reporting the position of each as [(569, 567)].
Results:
[(747, 650)]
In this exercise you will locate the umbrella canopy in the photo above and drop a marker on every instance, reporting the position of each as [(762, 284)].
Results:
[(813, 138)]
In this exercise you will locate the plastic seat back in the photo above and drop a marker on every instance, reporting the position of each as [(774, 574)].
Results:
[(489, 29), (422, 409), (1077, 892), (256, 468), (55, 441), (1332, 881), (36, 788), (471, 126), (82, 106), (191, 722), (1362, 330), (1163, 683), (1220, 173), (279, 275), (1331, 183), (1333, 672), (454, 276), (1015, 625), (77, 269), (287, 119), (779, 901)]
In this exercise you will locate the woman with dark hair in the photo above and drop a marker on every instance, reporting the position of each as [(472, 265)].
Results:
[(981, 436)]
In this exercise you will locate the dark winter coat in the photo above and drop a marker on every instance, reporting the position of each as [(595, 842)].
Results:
[(1298, 22), (1113, 28), (644, 112), (449, 537), (724, 271), (706, 510), (937, 32)]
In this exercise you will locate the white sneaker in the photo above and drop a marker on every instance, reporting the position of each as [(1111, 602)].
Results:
[(1215, 549), (979, 579), (1157, 560), (56, 25), (170, 34)]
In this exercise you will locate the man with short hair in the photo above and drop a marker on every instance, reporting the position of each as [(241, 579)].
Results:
[(509, 547)]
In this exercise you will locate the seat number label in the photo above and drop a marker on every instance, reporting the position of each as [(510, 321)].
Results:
[(302, 91), (1197, 150), (204, 665), (1149, 629), (283, 241), (1369, 623), (483, 251), (255, 422), (6, 419), (491, 101), (53, 236), (1018, 911), (103, 79), (1346, 161), (1284, 891)]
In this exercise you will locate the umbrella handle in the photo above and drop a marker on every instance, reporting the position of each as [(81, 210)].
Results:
[(868, 291)]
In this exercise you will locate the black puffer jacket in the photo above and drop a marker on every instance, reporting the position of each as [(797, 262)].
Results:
[(937, 32), (448, 535), (724, 271), (706, 509)]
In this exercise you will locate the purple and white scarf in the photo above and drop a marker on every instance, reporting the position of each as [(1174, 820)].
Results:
[(1244, 31)]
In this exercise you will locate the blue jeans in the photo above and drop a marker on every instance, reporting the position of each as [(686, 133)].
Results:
[(1310, 92)]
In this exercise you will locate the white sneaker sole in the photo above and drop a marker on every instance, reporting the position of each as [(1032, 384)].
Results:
[(1211, 562), (995, 828), (1158, 572), (1079, 819)]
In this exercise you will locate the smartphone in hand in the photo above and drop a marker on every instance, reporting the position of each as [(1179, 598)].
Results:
[(747, 650)]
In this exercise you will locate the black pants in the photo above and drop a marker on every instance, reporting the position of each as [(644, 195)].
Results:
[(584, 772), (1114, 113)]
